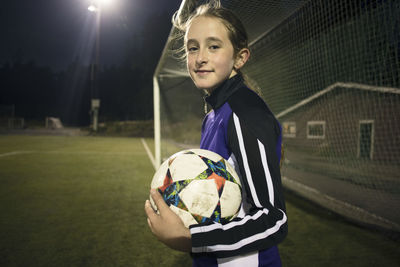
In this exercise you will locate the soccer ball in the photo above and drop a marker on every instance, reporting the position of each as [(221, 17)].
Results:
[(199, 186)]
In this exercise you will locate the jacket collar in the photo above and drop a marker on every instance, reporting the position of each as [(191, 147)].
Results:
[(220, 95)]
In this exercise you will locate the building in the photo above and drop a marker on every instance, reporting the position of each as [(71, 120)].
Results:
[(346, 120)]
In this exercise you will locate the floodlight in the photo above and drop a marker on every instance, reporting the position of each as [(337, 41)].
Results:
[(93, 8), (97, 5)]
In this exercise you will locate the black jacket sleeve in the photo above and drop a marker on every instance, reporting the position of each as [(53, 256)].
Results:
[(253, 138)]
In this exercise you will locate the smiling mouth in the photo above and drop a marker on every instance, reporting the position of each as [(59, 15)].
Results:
[(202, 71)]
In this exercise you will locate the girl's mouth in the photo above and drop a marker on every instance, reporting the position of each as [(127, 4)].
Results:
[(201, 72)]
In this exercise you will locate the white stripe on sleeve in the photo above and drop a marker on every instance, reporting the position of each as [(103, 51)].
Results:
[(209, 228), (245, 161), (267, 173), (243, 242)]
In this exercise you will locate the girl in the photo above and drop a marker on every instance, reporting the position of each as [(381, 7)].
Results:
[(242, 129)]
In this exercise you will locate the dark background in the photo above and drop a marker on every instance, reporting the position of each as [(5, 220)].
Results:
[(47, 48)]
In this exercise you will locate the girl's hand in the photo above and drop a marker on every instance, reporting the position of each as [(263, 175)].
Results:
[(167, 226)]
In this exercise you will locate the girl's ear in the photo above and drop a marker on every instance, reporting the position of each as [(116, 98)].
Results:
[(241, 58)]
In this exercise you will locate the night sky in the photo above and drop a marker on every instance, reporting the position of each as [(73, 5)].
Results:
[(55, 32)]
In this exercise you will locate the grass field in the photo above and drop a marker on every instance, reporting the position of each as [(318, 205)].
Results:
[(78, 201)]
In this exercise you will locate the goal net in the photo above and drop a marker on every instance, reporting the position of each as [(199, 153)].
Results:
[(8, 120), (329, 70), (53, 123)]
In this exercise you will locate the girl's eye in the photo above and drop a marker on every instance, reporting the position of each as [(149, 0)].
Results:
[(192, 49), (214, 47)]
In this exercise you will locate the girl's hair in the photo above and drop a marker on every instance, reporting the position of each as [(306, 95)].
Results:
[(237, 34), (236, 31)]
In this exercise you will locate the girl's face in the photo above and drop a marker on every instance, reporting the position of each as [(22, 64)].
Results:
[(210, 54)]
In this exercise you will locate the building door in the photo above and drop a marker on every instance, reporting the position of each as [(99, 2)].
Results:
[(366, 139)]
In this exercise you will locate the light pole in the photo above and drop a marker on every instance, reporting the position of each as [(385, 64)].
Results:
[(95, 7)]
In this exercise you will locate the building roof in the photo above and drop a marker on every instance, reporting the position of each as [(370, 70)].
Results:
[(332, 87)]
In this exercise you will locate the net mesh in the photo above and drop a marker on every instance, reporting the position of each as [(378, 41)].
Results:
[(329, 70)]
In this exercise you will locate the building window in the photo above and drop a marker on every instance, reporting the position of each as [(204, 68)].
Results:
[(316, 129), (289, 129)]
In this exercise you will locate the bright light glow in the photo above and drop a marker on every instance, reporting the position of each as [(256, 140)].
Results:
[(105, 2), (101, 3), (92, 8), (97, 5)]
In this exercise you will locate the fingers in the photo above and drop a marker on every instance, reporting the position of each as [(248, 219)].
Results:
[(158, 200), (149, 210), (167, 226)]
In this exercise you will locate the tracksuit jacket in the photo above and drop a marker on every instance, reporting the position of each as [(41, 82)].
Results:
[(243, 130)]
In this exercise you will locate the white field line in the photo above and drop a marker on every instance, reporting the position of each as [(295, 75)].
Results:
[(146, 147), (88, 152), (340, 202), (66, 152), (15, 153)]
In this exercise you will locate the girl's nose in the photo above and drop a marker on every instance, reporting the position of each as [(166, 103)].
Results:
[(202, 57)]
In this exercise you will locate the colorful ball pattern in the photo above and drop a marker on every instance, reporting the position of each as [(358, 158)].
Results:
[(199, 186)]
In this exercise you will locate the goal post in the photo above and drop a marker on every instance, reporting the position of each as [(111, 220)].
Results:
[(157, 123)]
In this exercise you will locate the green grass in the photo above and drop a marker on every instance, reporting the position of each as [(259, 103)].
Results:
[(78, 201), (318, 237)]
